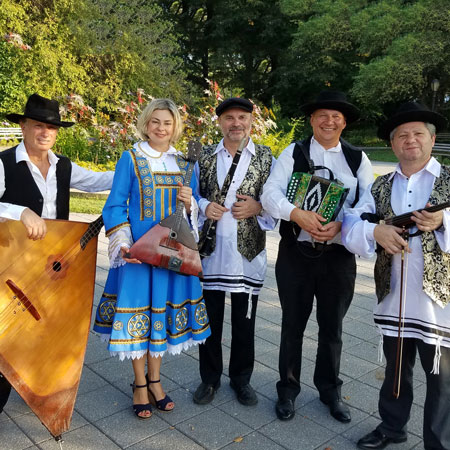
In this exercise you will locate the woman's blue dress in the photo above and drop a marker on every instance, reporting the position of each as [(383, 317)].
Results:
[(146, 308)]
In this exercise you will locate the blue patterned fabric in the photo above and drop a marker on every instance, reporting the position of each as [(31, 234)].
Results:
[(145, 308)]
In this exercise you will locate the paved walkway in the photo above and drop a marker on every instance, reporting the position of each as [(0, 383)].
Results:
[(103, 417)]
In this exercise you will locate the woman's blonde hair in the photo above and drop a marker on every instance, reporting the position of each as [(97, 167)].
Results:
[(160, 103)]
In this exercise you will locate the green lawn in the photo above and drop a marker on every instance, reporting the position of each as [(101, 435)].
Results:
[(87, 205)]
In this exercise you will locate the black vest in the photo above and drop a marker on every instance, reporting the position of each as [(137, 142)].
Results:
[(353, 156), (21, 189)]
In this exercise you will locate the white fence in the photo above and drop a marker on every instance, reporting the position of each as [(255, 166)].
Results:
[(8, 133)]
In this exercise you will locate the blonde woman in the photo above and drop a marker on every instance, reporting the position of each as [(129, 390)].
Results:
[(145, 310)]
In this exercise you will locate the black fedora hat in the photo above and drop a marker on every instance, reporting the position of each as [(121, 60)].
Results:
[(235, 102), (411, 112), (41, 109), (336, 100)]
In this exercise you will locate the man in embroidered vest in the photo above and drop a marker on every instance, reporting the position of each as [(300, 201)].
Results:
[(237, 263), (311, 260), (423, 289), (35, 182)]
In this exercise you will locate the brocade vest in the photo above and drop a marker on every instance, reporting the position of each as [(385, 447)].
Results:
[(251, 240), (436, 273), (22, 190)]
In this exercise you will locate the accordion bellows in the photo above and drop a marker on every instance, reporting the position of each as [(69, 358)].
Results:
[(316, 194)]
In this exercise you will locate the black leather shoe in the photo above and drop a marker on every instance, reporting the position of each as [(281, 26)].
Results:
[(245, 394), (339, 410), (285, 409), (205, 393), (376, 439)]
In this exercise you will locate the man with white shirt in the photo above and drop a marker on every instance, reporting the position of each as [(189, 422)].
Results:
[(237, 263), (311, 260), (423, 289), (35, 183)]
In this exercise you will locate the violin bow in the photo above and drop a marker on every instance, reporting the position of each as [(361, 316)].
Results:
[(401, 319)]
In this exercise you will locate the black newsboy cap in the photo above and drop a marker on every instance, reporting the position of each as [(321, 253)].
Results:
[(235, 102)]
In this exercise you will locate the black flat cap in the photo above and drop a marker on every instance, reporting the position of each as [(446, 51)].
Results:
[(235, 102), (336, 100), (411, 112)]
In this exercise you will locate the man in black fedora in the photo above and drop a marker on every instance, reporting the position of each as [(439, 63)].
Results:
[(311, 260), (35, 182), (411, 271)]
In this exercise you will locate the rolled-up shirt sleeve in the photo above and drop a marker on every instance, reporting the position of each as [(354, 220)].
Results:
[(90, 181), (274, 199), (357, 234)]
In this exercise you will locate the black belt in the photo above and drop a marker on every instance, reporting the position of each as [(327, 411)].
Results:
[(319, 247)]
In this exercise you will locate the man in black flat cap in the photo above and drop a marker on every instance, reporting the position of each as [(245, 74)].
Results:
[(311, 260), (423, 289), (237, 261), (35, 182)]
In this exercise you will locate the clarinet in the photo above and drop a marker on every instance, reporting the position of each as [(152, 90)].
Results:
[(207, 242)]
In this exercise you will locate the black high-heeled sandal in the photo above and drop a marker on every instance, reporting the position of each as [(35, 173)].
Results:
[(161, 405), (141, 407)]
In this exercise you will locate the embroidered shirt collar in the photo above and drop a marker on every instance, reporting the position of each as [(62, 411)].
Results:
[(250, 147), (336, 149), (22, 155), (433, 167)]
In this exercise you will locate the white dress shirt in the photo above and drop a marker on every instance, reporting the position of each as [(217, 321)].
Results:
[(226, 269), (274, 196), (82, 179), (424, 318)]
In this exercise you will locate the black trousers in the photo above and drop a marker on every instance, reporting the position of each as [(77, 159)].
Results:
[(331, 279), (5, 389), (242, 356), (394, 412)]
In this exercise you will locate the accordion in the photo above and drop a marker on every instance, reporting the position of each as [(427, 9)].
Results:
[(317, 194)]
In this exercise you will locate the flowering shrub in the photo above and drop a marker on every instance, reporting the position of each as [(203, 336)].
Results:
[(100, 137)]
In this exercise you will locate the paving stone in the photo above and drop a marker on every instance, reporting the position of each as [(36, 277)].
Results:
[(253, 416), (356, 432), (298, 433), (84, 438), (270, 359), (37, 432), (90, 381), (320, 413), (101, 403), (185, 408), (353, 366), (96, 350), (361, 396), (213, 429), (15, 406), (168, 439), (263, 374), (359, 329), (112, 369), (125, 429), (183, 370), (271, 334), (12, 437), (254, 441), (263, 346)]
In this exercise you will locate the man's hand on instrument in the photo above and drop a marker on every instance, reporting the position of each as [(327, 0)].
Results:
[(215, 211), (184, 195), (327, 232), (428, 221), (389, 237), (123, 252), (35, 225), (245, 207), (309, 221)]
